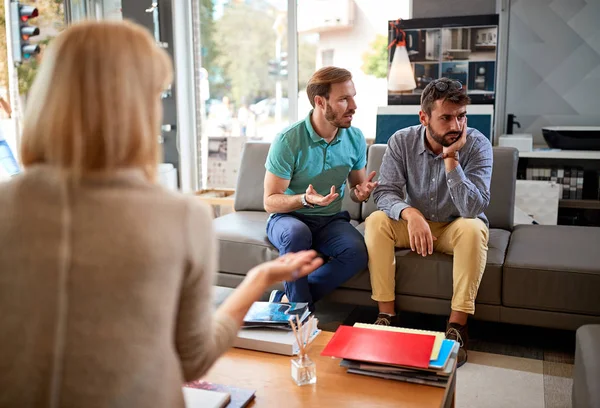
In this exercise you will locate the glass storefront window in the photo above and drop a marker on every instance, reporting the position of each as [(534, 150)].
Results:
[(351, 34), (245, 55), (244, 47), (78, 10)]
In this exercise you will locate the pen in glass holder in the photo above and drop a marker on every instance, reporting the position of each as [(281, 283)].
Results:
[(304, 370)]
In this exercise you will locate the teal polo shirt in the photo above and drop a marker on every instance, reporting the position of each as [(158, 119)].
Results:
[(300, 155)]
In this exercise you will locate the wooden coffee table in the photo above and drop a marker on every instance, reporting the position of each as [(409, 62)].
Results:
[(270, 375)]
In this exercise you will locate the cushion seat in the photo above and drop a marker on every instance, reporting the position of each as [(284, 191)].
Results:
[(243, 241), (244, 244), (432, 276), (553, 268)]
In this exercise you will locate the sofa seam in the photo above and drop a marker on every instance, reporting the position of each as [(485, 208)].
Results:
[(548, 270)]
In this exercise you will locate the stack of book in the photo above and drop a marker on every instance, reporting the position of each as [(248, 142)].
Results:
[(401, 354), (267, 327)]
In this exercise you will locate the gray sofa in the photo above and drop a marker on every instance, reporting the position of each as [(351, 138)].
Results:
[(586, 375), (545, 276)]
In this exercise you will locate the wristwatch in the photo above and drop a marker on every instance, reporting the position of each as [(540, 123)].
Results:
[(305, 203), (451, 155)]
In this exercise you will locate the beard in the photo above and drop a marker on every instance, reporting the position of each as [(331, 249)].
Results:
[(336, 120), (446, 139)]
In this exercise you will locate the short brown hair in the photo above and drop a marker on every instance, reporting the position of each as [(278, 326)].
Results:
[(320, 82), (95, 104), (453, 91)]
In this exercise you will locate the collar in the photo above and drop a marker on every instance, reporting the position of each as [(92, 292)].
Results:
[(422, 148), (315, 137)]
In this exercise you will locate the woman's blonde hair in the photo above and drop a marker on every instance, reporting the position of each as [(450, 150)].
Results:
[(95, 104)]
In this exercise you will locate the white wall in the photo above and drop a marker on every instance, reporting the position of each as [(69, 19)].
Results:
[(371, 19), (553, 76)]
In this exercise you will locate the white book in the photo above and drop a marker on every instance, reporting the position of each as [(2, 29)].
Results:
[(198, 398), (275, 341)]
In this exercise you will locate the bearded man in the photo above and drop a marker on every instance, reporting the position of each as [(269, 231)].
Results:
[(308, 166), (434, 187)]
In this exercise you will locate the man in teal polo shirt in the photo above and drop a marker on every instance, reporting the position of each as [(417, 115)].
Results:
[(308, 166)]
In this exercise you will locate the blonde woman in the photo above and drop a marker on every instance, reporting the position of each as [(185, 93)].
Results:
[(105, 277)]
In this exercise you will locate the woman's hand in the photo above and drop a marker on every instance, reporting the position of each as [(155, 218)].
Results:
[(288, 267)]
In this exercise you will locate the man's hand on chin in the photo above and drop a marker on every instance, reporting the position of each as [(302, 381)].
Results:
[(459, 144)]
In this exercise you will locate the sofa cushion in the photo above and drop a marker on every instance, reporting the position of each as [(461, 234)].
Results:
[(432, 276), (250, 183), (243, 241), (554, 268), (374, 158), (251, 177), (500, 212)]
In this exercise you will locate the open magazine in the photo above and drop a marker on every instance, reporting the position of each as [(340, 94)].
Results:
[(275, 315)]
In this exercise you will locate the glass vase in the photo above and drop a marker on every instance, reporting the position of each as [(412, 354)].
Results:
[(304, 370)]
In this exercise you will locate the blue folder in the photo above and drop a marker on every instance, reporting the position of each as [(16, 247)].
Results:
[(443, 355)]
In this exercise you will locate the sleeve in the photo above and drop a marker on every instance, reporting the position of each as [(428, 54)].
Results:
[(281, 159), (470, 186), (361, 162), (389, 194), (201, 335)]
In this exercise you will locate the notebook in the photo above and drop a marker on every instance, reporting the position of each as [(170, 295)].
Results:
[(444, 355), (437, 345), (240, 397), (399, 377), (198, 398), (380, 346)]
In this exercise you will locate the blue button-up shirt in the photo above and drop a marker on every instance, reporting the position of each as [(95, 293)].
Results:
[(411, 175)]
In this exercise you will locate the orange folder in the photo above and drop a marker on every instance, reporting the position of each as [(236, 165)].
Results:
[(381, 347)]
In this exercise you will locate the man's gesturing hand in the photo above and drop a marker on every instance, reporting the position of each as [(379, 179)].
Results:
[(363, 190), (312, 197)]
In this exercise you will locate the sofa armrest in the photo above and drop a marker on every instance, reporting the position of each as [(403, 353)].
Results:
[(586, 376)]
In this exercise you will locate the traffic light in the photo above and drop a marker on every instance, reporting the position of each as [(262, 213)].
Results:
[(283, 65), (22, 31), (279, 67), (273, 67)]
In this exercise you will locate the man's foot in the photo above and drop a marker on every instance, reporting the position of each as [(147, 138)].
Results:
[(459, 333), (385, 319), (278, 296)]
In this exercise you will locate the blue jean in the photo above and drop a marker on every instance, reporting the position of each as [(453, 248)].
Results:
[(333, 236)]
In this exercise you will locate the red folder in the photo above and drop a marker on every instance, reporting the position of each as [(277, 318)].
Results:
[(380, 346)]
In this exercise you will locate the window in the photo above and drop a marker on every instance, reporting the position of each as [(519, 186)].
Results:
[(245, 55), (244, 50), (351, 34), (327, 57), (244, 47)]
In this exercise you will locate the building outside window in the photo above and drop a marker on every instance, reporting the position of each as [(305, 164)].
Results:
[(327, 57), (245, 53)]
